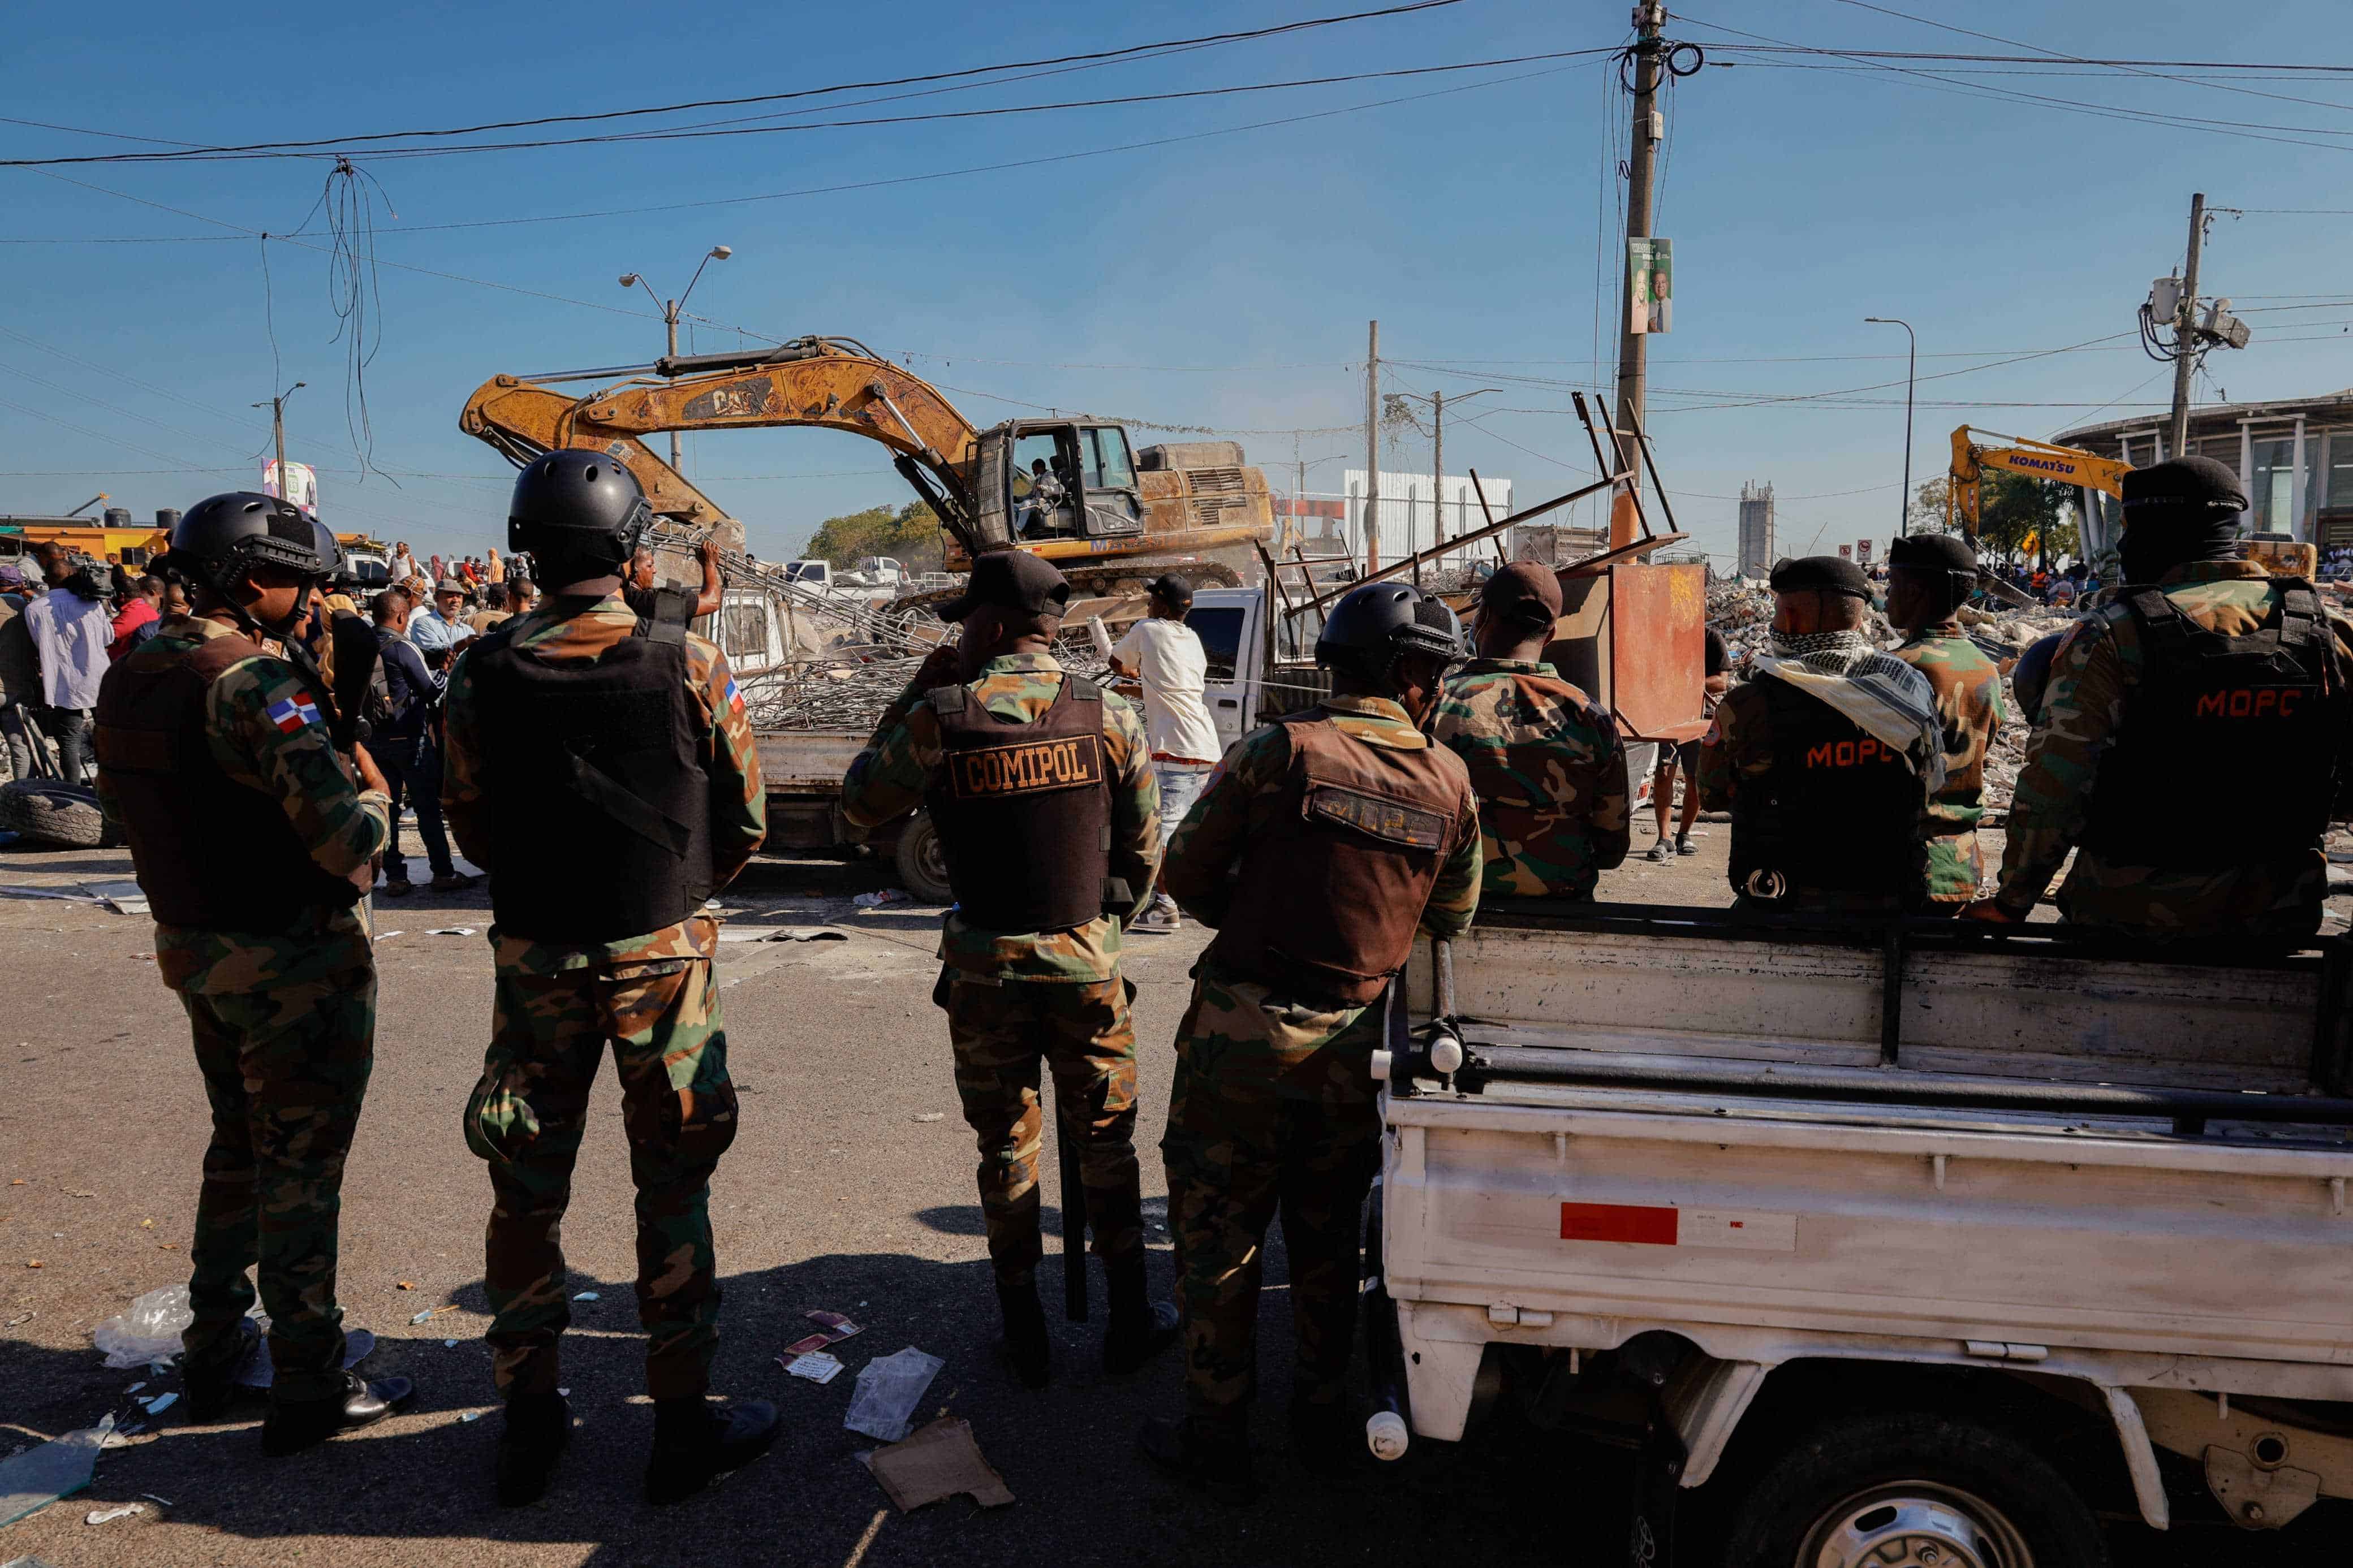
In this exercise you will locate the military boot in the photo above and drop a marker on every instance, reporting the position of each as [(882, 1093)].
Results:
[(1218, 1462), (1140, 1327), (211, 1386), (538, 1426), (695, 1440), (1326, 1440), (1026, 1345), (295, 1425)]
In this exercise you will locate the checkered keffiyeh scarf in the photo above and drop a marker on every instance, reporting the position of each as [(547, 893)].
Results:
[(1885, 696)]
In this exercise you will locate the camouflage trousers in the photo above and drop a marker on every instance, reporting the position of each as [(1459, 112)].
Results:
[(1273, 1111), (285, 1069), (526, 1118), (1001, 1032)]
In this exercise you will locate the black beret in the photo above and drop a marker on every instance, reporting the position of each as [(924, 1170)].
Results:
[(2199, 483), (1821, 573), (1932, 552)]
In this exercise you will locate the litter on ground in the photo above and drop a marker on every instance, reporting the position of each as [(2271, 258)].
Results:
[(889, 1389), (39, 1477), (940, 1461)]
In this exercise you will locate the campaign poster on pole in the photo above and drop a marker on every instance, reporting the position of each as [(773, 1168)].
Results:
[(304, 491), (1650, 285)]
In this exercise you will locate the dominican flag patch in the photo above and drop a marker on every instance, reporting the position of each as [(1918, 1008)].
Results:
[(735, 697), (293, 715)]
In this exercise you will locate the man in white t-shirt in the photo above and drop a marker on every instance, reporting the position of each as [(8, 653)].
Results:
[(1166, 655)]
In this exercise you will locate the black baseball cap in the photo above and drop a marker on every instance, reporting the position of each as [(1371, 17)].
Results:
[(1821, 575), (1170, 589), (1012, 579)]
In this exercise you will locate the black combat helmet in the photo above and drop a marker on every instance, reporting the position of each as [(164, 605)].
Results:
[(578, 510), (331, 549), (1368, 632), (221, 538), (2031, 674)]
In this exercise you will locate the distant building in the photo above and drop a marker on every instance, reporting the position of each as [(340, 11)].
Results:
[(1756, 548), (2293, 455)]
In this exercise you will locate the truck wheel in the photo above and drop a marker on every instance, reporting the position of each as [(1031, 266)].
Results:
[(923, 861), (1913, 1491)]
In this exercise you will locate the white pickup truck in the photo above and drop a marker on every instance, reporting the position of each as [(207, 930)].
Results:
[(1918, 1244)]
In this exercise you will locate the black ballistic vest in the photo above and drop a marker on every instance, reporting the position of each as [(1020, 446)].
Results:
[(2227, 752), (598, 802), (1839, 812), (1023, 810), (211, 854)]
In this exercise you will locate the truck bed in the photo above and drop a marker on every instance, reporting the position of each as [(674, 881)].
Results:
[(2123, 1171)]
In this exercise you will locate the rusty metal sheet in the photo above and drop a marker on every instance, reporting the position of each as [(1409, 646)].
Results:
[(1658, 649)]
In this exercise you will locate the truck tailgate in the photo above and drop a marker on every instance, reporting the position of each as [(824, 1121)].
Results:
[(807, 761), (1610, 1205)]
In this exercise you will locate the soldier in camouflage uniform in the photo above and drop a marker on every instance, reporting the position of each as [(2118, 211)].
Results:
[(1346, 829), (1040, 786), (1825, 757), (1545, 761), (601, 767), (253, 842), (1930, 576), (2193, 742)]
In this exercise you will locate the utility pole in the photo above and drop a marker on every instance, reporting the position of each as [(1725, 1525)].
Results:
[(277, 407), (2185, 333), (1649, 64), (1372, 522), (1438, 474)]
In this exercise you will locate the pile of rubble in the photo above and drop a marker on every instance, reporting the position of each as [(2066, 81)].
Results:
[(850, 692)]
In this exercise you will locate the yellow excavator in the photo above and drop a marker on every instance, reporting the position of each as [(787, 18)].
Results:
[(1070, 489), (2281, 556)]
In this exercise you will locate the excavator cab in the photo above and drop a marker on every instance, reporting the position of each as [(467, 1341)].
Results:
[(1049, 481)]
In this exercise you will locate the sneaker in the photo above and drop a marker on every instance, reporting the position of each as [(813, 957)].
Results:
[(453, 882), (1662, 852), (1683, 846), (1159, 917)]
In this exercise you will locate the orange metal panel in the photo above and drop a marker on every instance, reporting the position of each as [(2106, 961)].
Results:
[(1658, 648)]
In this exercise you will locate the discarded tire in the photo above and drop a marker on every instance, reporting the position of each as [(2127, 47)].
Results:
[(60, 814)]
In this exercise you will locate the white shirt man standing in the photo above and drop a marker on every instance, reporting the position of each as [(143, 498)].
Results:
[(1166, 655)]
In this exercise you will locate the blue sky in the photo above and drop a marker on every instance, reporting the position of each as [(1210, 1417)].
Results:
[(1221, 280)]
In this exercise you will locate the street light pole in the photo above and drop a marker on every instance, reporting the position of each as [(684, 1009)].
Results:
[(1911, 379), (669, 310), (1438, 401)]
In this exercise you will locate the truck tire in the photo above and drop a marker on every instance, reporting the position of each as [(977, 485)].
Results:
[(1884, 1491), (53, 813), (923, 861)]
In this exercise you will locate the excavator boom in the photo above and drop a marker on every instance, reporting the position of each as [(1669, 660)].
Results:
[(2037, 459), (1104, 507)]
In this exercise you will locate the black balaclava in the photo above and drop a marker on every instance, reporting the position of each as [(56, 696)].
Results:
[(2184, 509)]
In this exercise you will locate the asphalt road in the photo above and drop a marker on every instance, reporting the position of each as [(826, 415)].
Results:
[(848, 1188)]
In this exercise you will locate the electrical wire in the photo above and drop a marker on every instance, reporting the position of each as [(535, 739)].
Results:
[(1097, 55), (2000, 94), (380, 154), (1039, 161), (2076, 60)]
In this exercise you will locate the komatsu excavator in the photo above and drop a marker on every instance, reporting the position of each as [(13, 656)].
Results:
[(2088, 471), (1070, 489)]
